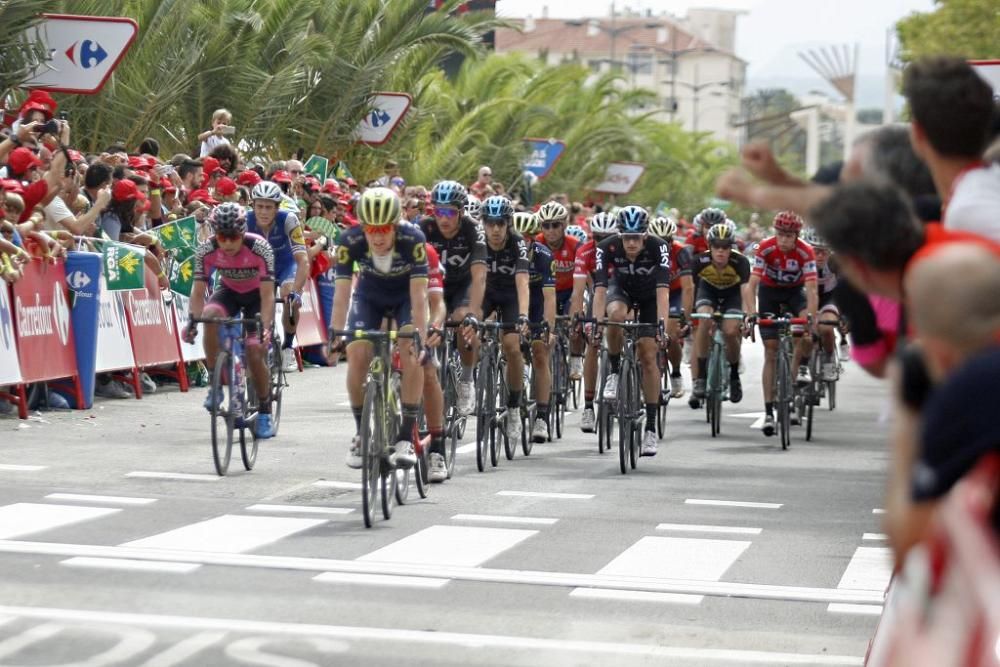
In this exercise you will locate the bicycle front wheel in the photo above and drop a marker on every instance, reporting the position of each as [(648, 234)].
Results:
[(784, 402), (248, 441), (223, 420), (486, 411), (626, 406), (277, 386), (372, 446)]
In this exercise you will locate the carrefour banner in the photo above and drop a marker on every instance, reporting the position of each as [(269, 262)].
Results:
[(83, 277), (10, 370), (45, 341)]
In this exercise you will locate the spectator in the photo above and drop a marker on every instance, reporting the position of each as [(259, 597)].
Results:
[(149, 146), (226, 190), (413, 209), (97, 178), (391, 171), (227, 157), (483, 187), (59, 214), (216, 136), (191, 173), (212, 171), (952, 108), (119, 220)]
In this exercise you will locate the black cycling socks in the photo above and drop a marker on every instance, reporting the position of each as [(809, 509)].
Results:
[(514, 399), (651, 417), (410, 413), (734, 369), (288, 342), (356, 411), (675, 372), (542, 412), (616, 362), (702, 367), (769, 409), (588, 403)]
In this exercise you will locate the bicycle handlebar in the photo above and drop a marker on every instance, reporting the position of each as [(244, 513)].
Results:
[(782, 321), (226, 320), (717, 316)]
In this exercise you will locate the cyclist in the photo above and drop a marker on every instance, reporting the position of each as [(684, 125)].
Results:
[(702, 222), (391, 263), (826, 282), (474, 208), (641, 266), (783, 274), (507, 293), (723, 273), (433, 394), (553, 219), (603, 225), (541, 307), (282, 230), (461, 245), (244, 266), (681, 296)]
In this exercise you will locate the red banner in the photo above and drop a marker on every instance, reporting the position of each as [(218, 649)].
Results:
[(151, 322), (42, 322)]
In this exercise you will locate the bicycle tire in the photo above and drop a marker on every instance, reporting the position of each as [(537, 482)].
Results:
[(421, 472), (809, 421), (557, 393), (248, 449), (371, 447), (661, 411), (403, 482), (501, 393), (625, 425), (831, 395), (575, 393), (387, 489), (451, 450), (713, 389), (221, 451), (486, 414), (784, 401)]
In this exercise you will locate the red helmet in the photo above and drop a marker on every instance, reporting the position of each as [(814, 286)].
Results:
[(788, 221)]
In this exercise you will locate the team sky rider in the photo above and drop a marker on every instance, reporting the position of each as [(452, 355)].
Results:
[(641, 278), (282, 230), (244, 264), (723, 275), (553, 219), (681, 296), (784, 274), (507, 293), (542, 307), (603, 225), (392, 282), (826, 282), (461, 245)]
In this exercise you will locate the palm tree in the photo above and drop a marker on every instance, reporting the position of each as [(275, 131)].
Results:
[(22, 53)]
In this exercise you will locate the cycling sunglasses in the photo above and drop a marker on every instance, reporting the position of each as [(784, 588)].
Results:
[(378, 229), (445, 212), (551, 225), (228, 236)]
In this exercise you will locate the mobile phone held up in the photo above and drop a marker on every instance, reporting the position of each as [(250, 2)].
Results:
[(228, 130)]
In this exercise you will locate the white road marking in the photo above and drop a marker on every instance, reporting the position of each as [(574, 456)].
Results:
[(181, 651), (680, 557), (694, 528), (467, 448), (733, 503), (450, 545), (186, 476), (379, 580), (114, 500), (874, 536), (634, 596), (478, 574), (758, 418), (538, 494), (133, 565), (25, 518), (878, 511), (226, 534), (299, 509), (870, 569), (864, 609), (493, 518), (12, 467), (471, 642), (334, 484)]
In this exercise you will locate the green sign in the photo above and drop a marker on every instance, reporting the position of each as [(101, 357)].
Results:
[(341, 172), (178, 234), (182, 274), (317, 165), (325, 227), (123, 266)]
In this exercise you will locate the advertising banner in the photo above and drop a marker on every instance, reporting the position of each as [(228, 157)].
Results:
[(151, 323), (190, 351), (114, 349), (309, 330), (543, 155), (45, 343), (83, 277), (620, 178), (10, 370)]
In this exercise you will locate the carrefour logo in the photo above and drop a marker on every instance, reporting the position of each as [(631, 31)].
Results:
[(60, 312), (5, 320), (86, 54)]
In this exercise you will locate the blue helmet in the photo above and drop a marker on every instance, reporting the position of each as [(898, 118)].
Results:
[(633, 220), (497, 207), (449, 193)]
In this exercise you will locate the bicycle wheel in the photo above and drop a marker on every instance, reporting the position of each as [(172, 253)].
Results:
[(277, 386), (403, 482), (372, 446), (831, 395), (248, 446), (809, 420), (387, 488), (223, 420), (421, 470), (575, 393), (451, 449), (486, 406), (713, 386), (501, 392), (625, 426), (527, 420), (784, 402), (661, 410)]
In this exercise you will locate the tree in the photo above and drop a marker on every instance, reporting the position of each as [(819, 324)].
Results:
[(767, 119), (21, 53), (966, 28)]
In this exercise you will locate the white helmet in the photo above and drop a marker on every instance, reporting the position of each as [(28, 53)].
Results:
[(473, 207), (604, 223), (577, 232), (268, 190)]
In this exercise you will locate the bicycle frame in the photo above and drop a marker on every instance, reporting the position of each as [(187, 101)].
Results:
[(716, 378), (784, 395)]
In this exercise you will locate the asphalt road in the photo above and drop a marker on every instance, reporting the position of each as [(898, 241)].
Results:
[(724, 551)]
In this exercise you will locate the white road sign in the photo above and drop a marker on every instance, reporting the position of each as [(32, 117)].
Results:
[(83, 51), (989, 70), (387, 110), (620, 177)]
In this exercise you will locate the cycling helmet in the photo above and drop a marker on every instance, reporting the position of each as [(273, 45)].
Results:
[(787, 221), (662, 227), (268, 190), (378, 206), (473, 207), (497, 207), (603, 223), (710, 217), (526, 223), (633, 220), (577, 232), (720, 235), (810, 236), (449, 193), (552, 211), (732, 225), (229, 218)]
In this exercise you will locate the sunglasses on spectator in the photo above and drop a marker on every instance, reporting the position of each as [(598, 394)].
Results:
[(551, 225), (635, 238), (445, 212), (379, 229), (228, 236)]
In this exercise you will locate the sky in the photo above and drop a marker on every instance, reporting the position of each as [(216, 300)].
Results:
[(773, 32)]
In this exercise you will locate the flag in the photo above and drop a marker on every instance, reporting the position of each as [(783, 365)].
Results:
[(325, 227), (341, 172), (178, 234), (182, 274), (317, 165), (124, 266)]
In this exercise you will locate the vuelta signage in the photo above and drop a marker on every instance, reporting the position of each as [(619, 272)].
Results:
[(151, 322), (620, 177), (10, 370), (42, 322)]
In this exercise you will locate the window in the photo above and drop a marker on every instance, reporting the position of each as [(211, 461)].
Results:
[(640, 63)]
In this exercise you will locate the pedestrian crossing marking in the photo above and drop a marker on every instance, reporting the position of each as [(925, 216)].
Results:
[(870, 569), (450, 545), (25, 518), (226, 534)]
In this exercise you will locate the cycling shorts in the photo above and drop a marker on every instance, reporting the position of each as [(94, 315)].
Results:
[(645, 309), (729, 300), (562, 301), (826, 302), (285, 273), (770, 301), (226, 302), (457, 295), (676, 303), (368, 311)]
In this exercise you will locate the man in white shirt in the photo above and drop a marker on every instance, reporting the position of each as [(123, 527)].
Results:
[(59, 215)]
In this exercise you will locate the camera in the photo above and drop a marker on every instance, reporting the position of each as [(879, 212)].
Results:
[(51, 127)]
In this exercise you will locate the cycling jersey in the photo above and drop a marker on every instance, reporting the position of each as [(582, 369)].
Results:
[(826, 280), (285, 237), (502, 265), (681, 259), (781, 269), (435, 276), (541, 268), (696, 242), (388, 275), (638, 278), (242, 272), (735, 273), (565, 259), (458, 253), (583, 266)]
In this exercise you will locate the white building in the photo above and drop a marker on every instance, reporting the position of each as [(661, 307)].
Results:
[(689, 63)]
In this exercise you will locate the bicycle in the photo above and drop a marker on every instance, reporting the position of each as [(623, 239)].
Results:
[(605, 410), (562, 385), (716, 377), (784, 398), (380, 420), (450, 371), (818, 388), (241, 408), (491, 397)]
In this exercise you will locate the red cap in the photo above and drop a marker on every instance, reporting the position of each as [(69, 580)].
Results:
[(144, 206), (75, 156), (351, 182), (21, 159), (126, 189), (225, 186), (332, 186), (249, 178), (39, 100), (312, 181), (202, 195), (12, 185), (281, 176), (138, 162), (165, 184), (211, 165)]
